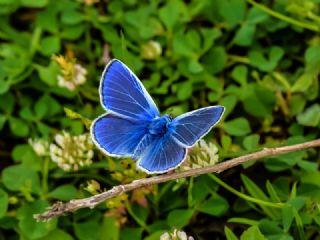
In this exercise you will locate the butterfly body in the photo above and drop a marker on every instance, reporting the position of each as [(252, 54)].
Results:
[(134, 128)]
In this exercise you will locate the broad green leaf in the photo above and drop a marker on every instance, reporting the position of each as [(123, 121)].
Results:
[(237, 127), (310, 117), (155, 235), (173, 13), (3, 202), (49, 74), (184, 91), (109, 229), (229, 102), (9, 99), (251, 142), (259, 101), (267, 64), (88, 230), (240, 74), (18, 177), (34, 3), (19, 127), (229, 234), (64, 192), (215, 206), (71, 17), (29, 226), (215, 60), (245, 34), (252, 233), (233, 11), (3, 120), (270, 227), (256, 15), (57, 234), (179, 217), (50, 45)]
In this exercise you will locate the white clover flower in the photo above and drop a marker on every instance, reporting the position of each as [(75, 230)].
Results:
[(71, 152), (78, 78), (175, 235), (202, 154), (40, 146)]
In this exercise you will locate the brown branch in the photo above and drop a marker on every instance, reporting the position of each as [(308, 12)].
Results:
[(60, 208)]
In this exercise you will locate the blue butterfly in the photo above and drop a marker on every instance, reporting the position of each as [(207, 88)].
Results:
[(133, 127)]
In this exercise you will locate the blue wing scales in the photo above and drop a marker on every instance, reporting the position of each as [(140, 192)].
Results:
[(122, 93), (188, 128), (162, 155), (117, 136)]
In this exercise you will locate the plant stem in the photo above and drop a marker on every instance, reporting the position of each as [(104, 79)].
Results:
[(45, 171), (285, 18)]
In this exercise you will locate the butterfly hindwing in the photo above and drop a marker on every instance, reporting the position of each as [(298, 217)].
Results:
[(117, 136), (122, 93), (162, 155), (188, 128)]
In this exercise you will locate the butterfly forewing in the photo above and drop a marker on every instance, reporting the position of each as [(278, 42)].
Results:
[(122, 93), (188, 128), (117, 136)]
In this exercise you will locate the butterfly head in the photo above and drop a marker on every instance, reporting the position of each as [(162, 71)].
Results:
[(159, 126)]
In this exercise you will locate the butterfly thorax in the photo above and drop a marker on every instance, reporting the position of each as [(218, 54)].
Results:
[(159, 126)]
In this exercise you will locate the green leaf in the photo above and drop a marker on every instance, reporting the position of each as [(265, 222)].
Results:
[(287, 217), (233, 11), (215, 60), (240, 74), (256, 15), (245, 34), (172, 13), (179, 217), (3, 202), (310, 117), (64, 192), (29, 226), (229, 234), (70, 16), (18, 177), (19, 127), (3, 120), (34, 3), (258, 59), (47, 106), (109, 229), (57, 234), (4, 86), (252, 233), (259, 101), (88, 230), (251, 142), (48, 74), (50, 45), (237, 127), (9, 99), (184, 90), (215, 206), (229, 102)]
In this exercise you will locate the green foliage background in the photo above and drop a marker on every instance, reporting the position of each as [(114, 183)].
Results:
[(260, 61)]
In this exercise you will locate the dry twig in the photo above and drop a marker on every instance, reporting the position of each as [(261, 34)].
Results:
[(60, 208)]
